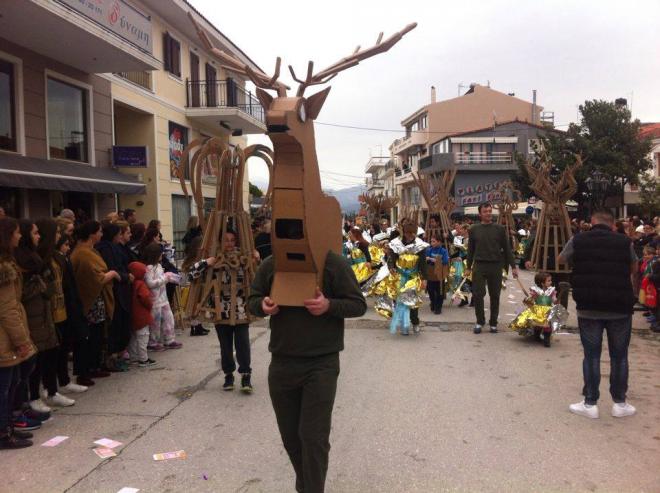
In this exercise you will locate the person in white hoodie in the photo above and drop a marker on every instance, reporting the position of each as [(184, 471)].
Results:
[(161, 330)]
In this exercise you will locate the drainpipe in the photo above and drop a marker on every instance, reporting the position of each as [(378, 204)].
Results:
[(534, 107)]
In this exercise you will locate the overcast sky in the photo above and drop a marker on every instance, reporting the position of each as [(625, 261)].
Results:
[(568, 51)]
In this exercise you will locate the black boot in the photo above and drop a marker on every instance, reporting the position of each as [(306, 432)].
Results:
[(546, 338), (10, 441), (246, 384), (229, 382)]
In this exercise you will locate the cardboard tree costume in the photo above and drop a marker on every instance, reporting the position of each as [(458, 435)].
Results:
[(220, 293), (507, 202), (554, 227), (306, 222)]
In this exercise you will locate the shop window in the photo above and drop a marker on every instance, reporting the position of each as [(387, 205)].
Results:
[(171, 55), (7, 100), (67, 121)]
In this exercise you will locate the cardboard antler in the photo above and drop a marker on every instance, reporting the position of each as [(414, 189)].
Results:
[(350, 61), (234, 64)]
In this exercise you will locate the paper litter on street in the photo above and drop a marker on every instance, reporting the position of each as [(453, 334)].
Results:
[(55, 441), (108, 443), (126, 489), (104, 452), (179, 454)]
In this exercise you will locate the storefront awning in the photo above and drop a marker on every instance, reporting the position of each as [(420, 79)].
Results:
[(47, 174)]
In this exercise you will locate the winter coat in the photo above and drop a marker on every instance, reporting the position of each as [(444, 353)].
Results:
[(117, 259), (89, 269), (13, 321), (141, 303), (38, 288), (75, 319)]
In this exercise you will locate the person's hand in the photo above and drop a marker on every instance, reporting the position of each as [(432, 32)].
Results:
[(269, 307), (23, 351), (528, 265), (431, 260), (317, 305), (211, 261), (256, 256), (423, 285), (131, 278), (467, 273), (514, 272)]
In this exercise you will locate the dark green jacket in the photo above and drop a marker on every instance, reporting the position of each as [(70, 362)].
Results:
[(295, 331), (489, 243)]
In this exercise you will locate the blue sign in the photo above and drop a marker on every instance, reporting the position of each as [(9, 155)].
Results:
[(529, 209), (130, 156)]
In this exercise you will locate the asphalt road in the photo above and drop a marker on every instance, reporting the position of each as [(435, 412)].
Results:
[(442, 411)]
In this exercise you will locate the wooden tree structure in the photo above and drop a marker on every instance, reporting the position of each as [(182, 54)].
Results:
[(205, 298), (554, 227), (376, 205), (507, 202), (436, 191)]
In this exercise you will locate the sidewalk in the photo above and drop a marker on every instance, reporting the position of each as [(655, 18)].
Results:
[(510, 305)]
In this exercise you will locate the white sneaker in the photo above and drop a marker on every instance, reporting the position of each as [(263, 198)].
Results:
[(59, 400), (39, 406), (416, 329), (73, 388), (584, 410), (623, 409)]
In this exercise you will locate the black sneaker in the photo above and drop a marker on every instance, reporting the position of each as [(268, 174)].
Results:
[(36, 415), (147, 362), (493, 329), (477, 329), (246, 385), (8, 442), (229, 382), (22, 434), (24, 423)]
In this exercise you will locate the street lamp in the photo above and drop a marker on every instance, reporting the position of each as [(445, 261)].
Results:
[(597, 185)]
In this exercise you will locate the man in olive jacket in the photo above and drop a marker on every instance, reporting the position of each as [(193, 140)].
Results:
[(302, 377)]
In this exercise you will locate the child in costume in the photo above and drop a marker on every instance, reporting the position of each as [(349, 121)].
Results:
[(535, 318), (358, 254), (436, 258), (458, 253), (405, 280), (193, 254), (235, 325)]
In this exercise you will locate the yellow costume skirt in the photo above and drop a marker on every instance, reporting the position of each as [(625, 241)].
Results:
[(389, 290), (534, 316)]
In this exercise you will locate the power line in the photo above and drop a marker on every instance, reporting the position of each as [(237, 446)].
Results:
[(354, 127)]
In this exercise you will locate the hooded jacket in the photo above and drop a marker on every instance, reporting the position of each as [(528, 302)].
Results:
[(13, 321), (142, 301)]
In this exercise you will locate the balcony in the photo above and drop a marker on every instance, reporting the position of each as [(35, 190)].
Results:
[(224, 103), (469, 161), (376, 163), (142, 79), (374, 183), (91, 40), (413, 142)]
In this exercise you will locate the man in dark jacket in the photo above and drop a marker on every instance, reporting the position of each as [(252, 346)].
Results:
[(302, 378), (604, 263)]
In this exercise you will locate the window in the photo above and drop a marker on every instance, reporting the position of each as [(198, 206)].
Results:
[(67, 121), (194, 80), (171, 55), (423, 122), (7, 118), (211, 86)]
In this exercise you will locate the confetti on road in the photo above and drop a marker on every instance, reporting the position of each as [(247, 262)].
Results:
[(179, 454), (107, 443), (104, 453), (126, 489), (55, 441)]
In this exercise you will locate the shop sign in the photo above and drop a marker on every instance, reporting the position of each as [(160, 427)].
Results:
[(118, 17), (178, 142), (130, 156)]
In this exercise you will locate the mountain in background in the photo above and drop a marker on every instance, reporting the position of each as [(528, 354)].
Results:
[(347, 197)]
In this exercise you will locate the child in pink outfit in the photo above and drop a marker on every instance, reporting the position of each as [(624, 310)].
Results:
[(161, 330)]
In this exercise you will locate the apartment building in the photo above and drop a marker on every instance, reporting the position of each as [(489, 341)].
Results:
[(631, 197), (55, 112), (480, 107), (102, 98), (380, 179), (191, 97)]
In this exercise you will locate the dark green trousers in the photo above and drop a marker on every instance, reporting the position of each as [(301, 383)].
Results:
[(486, 274), (302, 391)]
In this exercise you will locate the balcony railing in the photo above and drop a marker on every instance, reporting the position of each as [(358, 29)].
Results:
[(375, 183), (483, 158), (142, 79), (222, 94)]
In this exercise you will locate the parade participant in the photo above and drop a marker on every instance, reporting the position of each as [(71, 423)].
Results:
[(302, 377), (359, 255), (97, 300), (141, 316), (235, 330), (534, 319), (603, 263), (407, 264), (161, 331), (193, 255), (489, 251), (437, 257), (457, 254), (16, 347)]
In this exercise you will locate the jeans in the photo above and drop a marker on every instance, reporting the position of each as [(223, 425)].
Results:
[(434, 288), (302, 391), (18, 394), (228, 335), (65, 337), (618, 340), (89, 350), (44, 372), (6, 380)]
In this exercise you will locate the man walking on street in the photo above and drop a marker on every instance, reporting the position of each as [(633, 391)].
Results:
[(302, 378), (604, 263), (489, 252)]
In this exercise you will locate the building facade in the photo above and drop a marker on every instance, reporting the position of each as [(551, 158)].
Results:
[(98, 120), (480, 107), (631, 199)]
